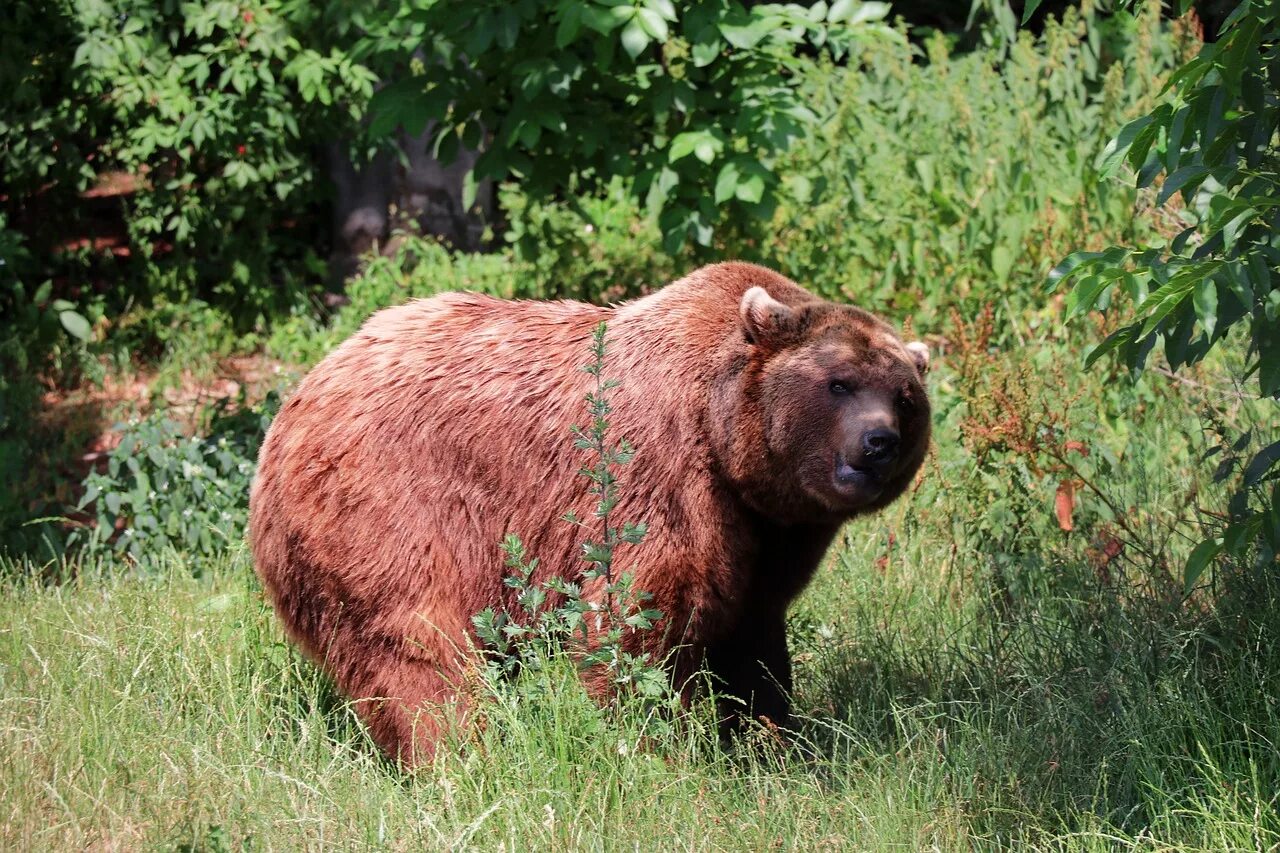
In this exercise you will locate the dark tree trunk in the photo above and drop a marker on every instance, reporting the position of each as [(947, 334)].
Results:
[(361, 207), (409, 190)]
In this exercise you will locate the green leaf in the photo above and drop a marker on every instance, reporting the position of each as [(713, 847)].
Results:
[(745, 37), (1001, 263), (1261, 463), (924, 168), (1113, 155), (726, 183), (1029, 9), (867, 12), (409, 103), (653, 24), (1243, 46), (706, 149), (1192, 175), (1199, 560), (1085, 294), (665, 8), (841, 10), (634, 38), (1169, 296), (1205, 300), (1116, 340), (570, 25), (660, 188), (1231, 231), (684, 144), (751, 190), (1075, 260), (469, 189), (801, 188), (76, 325), (706, 52)]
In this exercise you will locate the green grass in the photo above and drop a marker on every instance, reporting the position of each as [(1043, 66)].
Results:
[(168, 711), (960, 688), (141, 713)]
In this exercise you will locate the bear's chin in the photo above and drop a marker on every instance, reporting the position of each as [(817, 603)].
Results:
[(854, 486)]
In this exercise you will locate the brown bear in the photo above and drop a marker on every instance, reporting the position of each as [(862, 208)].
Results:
[(762, 416)]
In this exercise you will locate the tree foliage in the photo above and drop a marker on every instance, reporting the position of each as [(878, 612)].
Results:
[(1212, 145), (690, 102), (212, 109)]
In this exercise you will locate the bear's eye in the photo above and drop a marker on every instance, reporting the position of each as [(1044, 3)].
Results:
[(905, 403), (840, 388)]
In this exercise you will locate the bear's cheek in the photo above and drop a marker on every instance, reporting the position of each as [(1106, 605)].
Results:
[(915, 445), (817, 452)]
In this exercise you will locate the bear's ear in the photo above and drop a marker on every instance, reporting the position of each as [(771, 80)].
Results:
[(920, 355), (763, 317)]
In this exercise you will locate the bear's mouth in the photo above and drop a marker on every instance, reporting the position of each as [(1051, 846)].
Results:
[(855, 479)]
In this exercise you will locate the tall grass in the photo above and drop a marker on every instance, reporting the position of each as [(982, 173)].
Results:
[(141, 714)]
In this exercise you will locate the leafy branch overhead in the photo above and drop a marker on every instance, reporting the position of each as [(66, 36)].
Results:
[(691, 102), (1212, 143)]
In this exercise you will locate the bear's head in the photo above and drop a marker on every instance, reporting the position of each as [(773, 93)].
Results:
[(825, 414)]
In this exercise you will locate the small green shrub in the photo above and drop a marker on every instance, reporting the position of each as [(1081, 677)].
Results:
[(164, 490), (1212, 144), (211, 109), (689, 102), (928, 180), (418, 267), (43, 341), (596, 247)]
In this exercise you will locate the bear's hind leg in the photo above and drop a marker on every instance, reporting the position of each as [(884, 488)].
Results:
[(409, 705)]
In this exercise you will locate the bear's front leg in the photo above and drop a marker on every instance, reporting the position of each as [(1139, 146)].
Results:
[(752, 667)]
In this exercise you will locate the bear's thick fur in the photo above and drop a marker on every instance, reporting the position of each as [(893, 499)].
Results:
[(762, 416)]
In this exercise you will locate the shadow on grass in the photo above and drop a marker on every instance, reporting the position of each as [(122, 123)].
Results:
[(1107, 708), (46, 448)]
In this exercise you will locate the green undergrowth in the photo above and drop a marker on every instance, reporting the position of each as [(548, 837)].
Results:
[(170, 711)]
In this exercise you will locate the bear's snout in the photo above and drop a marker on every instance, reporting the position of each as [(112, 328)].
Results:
[(880, 446)]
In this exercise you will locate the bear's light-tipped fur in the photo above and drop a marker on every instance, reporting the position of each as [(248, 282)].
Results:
[(393, 472)]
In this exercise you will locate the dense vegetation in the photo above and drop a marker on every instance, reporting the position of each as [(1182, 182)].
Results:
[(1014, 654)]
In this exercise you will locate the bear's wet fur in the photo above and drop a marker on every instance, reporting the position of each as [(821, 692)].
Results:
[(763, 418)]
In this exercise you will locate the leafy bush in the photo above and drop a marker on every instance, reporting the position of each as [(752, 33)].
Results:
[(39, 336), (927, 180), (417, 268), (164, 490), (42, 342), (595, 247), (1073, 477), (212, 109), (937, 181)]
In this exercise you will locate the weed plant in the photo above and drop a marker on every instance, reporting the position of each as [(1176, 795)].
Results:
[(596, 620), (162, 489)]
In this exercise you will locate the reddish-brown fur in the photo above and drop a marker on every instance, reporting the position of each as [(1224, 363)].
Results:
[(401, 461)]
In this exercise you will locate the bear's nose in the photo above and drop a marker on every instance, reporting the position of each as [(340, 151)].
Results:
[(880, 444)]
